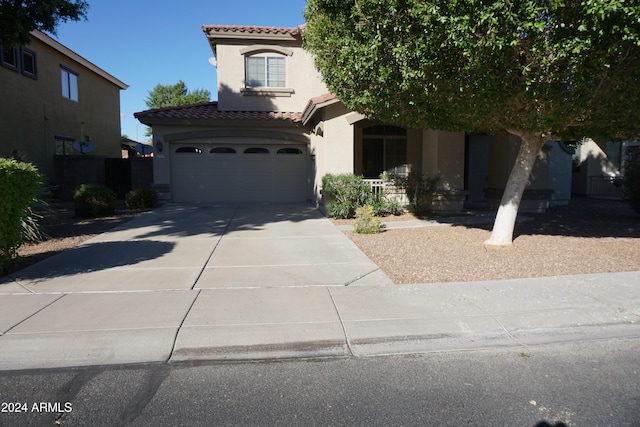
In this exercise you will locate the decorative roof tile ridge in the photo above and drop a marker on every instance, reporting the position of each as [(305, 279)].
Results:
[(180, 107), (253, 29)]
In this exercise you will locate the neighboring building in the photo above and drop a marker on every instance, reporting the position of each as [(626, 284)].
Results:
[(275, 131), (52, 97)]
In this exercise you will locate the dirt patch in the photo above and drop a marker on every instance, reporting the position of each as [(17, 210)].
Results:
[(67, 231), (589, 236)]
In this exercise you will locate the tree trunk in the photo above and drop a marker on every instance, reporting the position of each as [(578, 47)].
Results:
[(502, 234)]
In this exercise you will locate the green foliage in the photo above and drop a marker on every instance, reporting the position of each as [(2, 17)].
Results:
[(19, 183), (175, 95), (18, 18), (32, 231), (141, 199), (632, 180), (383, 205), (567, 69), (344, 193), (366, 221), (94, 200), (419, 188)]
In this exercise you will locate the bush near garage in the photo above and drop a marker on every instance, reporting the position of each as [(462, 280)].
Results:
[(19, 184), (145, 198), (94, 200), (344, 193)]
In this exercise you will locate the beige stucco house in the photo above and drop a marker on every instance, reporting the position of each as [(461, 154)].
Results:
[(51, 97), (275, 131)]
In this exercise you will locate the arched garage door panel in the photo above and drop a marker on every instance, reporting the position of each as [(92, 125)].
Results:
[(239, 173)]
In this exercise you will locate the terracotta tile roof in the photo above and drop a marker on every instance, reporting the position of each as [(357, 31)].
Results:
[(315, 103), (209, 110), (248, 29), (322, 98)]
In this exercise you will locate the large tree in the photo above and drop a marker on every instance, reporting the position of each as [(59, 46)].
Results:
[(538, 69), (175, 95), (19, 17)]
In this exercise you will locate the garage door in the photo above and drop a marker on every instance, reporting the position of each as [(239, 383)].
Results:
[(239, 173)]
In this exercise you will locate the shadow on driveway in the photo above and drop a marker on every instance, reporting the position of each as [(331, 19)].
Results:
[(97, 256)]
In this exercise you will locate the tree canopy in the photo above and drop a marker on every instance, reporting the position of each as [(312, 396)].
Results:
[(540, 70), (175, 95), (19, 17)]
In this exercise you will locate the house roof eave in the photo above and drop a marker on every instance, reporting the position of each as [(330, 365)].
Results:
[(77, 58), (316, 104), (217, 33)]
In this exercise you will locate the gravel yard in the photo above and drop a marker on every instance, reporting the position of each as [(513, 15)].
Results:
[(589, 236)]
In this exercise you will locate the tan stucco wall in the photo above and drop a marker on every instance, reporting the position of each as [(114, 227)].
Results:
[(443, 155), (302, 78), (33, 111), (334, 148)]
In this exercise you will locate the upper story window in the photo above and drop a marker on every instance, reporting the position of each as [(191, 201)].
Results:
[(10, 58), (266, 70), (29, 65), (69, 84), (21, 60)]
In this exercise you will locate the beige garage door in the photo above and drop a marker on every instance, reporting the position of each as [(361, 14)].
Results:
[(239, 173)]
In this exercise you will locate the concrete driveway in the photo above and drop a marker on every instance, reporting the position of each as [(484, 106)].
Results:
[(236, 282), (180, 247)]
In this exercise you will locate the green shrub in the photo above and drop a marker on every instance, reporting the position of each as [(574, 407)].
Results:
[(384, 206), (366, 222), (632, 179), (32, 231), (344, 193), (19, 183), (141, 199), (420, 189), (94, 200)]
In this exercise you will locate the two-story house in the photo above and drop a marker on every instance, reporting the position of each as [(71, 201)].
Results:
[(275, 131), (53, 97)]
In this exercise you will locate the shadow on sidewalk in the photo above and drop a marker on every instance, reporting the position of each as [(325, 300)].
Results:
[(94, 257)]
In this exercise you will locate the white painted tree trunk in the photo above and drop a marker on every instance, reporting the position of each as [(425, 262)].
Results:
[(502, 234)]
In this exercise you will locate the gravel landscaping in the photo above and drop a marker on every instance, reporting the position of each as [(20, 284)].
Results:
[(588, 236)]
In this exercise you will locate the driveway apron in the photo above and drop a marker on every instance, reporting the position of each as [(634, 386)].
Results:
[(275, 245), (179, 247), (185, 282)]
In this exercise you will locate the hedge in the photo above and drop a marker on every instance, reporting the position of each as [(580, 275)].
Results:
[(19, 183)]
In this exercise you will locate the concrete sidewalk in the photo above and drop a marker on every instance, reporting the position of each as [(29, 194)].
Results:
[(238, 282)]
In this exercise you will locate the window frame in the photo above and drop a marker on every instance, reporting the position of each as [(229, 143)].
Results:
[(15, 53), (256, 150), (189, 150), (24, 52), (68, 94), (393, 142), (266, 80)]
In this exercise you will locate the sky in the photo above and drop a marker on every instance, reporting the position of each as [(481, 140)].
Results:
[(146, 42)]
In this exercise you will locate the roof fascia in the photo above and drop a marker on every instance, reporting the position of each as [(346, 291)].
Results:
[(214, 37), (160, 121), (77, 58), (312, 109)]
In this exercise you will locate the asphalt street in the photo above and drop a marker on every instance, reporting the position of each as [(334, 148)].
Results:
[(592, 383)]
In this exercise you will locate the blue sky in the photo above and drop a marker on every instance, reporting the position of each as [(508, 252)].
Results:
[(146, 42)]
